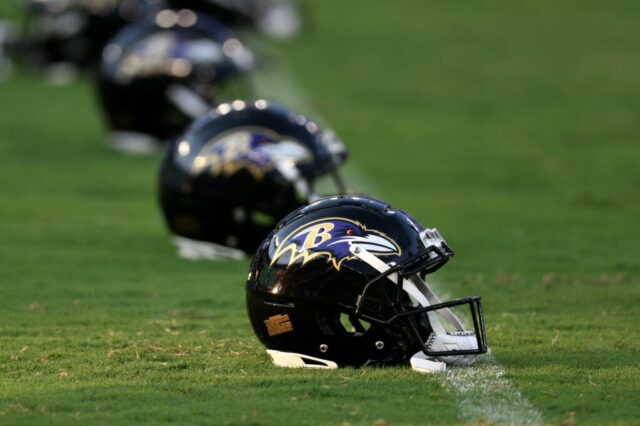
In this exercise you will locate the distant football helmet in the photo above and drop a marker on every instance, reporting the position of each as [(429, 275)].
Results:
[(341, 282), (241, 168), (158, 75), (72, 33)]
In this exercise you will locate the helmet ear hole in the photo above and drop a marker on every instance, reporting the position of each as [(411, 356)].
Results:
[(365, 325), (352, 325)]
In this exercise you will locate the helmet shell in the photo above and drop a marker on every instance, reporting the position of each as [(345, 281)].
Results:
[(220, 181), (316, 289), (169, 52)]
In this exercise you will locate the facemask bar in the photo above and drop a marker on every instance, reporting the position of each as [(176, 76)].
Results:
[(187, 101), (476, 313), (337, 179), (338, 153), (290, 172), (435, 254), (305, 191), (303, 187)]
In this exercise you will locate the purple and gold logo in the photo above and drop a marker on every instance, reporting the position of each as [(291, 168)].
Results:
[(256, 151), (332, 238)]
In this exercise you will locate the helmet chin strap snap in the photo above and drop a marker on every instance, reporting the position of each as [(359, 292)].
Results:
[(440, 339)]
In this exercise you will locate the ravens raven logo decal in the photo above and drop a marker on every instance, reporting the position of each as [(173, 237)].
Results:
[(332, 238), (257, 151)]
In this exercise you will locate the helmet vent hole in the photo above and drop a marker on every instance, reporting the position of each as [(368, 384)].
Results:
[(352, 325)]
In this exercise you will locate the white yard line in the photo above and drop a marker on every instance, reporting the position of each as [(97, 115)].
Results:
[(483, 391)]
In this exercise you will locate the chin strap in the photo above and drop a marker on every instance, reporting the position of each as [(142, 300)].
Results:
[(295, 360), (440, 339)]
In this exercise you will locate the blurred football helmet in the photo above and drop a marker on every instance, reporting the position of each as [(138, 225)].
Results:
[(70, 34), (341, 282), (240, 169), (158, 75)]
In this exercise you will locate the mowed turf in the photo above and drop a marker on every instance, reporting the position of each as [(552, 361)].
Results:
[(512, 128)]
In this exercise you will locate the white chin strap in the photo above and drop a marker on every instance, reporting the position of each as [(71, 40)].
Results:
[(440, 339)]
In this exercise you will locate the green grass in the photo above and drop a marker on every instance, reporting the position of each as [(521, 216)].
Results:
[(511, 127)]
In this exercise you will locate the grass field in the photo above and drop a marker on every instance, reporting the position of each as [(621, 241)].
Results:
[(512, 127)]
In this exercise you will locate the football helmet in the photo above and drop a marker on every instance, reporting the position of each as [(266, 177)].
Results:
[(341, 282), (241, 168), (70, 34), (160, 74)]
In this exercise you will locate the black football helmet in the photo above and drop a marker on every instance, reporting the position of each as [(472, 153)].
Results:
[(160, 74), (241, 168), (72, 33), (341, 282)]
